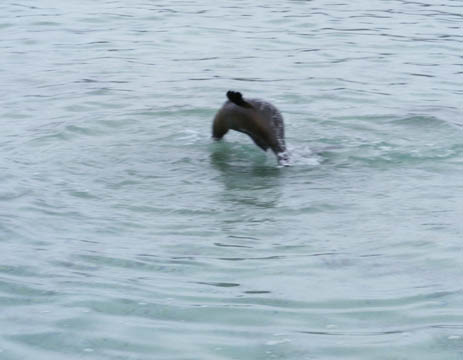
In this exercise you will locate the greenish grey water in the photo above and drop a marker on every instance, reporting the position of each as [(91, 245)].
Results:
[(125, 233)]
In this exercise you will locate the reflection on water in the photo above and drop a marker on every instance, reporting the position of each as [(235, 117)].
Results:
[(256, 183)]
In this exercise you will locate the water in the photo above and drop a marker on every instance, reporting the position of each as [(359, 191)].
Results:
[(126, 233)]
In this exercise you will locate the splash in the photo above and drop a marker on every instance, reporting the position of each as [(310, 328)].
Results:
[(302, 156)]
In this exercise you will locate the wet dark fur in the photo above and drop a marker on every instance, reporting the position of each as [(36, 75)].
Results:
[(257, 118)]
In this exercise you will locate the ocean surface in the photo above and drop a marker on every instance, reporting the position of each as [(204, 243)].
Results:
[(127, 233)]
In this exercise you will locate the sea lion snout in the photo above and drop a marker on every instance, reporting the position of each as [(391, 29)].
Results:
[(259, 119)]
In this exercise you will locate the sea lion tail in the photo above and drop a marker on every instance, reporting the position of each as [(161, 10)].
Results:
[(236, 98)]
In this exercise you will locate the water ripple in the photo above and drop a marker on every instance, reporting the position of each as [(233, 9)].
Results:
[(126, 233)]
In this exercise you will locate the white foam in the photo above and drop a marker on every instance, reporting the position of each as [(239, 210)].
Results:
[(277, 342), (302, 155)]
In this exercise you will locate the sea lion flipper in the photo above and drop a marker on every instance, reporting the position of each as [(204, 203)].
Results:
[(237, 98), (259, 142)]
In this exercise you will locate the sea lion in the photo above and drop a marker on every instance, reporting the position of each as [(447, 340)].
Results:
[(259, 119)]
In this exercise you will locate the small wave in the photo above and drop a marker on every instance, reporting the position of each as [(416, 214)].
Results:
[(190, 136), (422, 122)]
